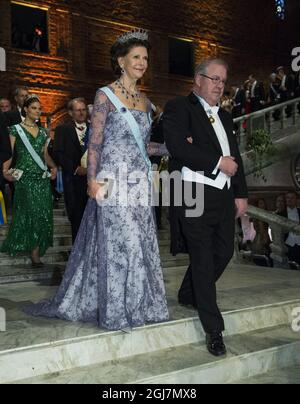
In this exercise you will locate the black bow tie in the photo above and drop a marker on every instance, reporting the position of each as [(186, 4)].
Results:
[(81, 128)]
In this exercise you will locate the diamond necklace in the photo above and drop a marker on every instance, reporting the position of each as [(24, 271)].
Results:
[(30, 126), (134, 97)]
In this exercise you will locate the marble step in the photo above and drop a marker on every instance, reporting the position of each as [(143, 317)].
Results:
[(12, 273), (57, 213), (50, 271), (53, 254), (171, 352), (168, 260), (164, 234), (286, 375), (61, 226), (22, 273), (59, 239), (251, 354)]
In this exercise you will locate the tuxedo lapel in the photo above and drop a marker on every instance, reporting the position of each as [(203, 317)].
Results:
[(203, 118), (74, 137)]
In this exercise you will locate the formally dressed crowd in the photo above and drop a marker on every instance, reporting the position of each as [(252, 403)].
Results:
[(256, 94), (256, 235)]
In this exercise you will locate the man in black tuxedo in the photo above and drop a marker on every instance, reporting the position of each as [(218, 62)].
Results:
[(297, 88), (239, 101), (292, 240), (5, 147), (274, 94), (20, 95), (257, 94), (203, 147), (70, 144), (286, 89), (7, 119)]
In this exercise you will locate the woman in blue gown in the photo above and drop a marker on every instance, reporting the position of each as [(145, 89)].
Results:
[(114, 275)]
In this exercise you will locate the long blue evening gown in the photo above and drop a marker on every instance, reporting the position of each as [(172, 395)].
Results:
[(114, 274)]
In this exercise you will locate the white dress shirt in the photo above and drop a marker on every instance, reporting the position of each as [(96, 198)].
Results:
[(222, 179), (283, 83), (253, 89), (81, 132), (20, 112), (293, 239)]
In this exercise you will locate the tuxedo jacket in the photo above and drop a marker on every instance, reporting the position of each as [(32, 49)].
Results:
[(290, 88), (259, 95), (240, 98), (11, 118), (239, 103), (67, 151), (185, 117), (157, 136)]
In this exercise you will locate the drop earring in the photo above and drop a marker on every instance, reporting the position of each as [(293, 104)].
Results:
[(122, 70)]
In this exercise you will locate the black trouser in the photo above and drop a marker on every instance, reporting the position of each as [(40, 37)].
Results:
[(210, 240), (75, 193), (294, 253), (297, 95)]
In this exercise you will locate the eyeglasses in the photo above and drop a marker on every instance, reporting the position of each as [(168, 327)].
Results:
[(215, 80)]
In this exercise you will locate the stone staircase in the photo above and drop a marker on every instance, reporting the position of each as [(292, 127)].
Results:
[(257, 304), (14, 269)]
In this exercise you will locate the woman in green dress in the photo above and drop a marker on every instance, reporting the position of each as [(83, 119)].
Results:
[(31, 229)]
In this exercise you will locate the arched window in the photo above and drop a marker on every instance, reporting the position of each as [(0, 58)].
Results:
[(280, 9)]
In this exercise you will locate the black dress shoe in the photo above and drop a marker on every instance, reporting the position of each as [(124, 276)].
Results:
[(215, 344)]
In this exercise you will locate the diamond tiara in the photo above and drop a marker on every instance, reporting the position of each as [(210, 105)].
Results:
[(30, 96), (135, 33)]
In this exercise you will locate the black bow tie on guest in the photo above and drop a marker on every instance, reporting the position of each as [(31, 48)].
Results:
[(81, 128)]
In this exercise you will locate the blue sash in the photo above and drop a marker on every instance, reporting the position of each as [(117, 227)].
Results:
[(125, 112), (32, 152)]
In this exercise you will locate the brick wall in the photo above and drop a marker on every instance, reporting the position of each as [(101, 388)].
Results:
[(246, 33)]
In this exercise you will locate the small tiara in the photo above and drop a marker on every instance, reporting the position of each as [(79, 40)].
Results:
[(135, 33), (30, 96)]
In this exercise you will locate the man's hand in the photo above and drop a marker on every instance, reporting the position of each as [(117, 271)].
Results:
[(241, 207), (228, 166), (81, 171)]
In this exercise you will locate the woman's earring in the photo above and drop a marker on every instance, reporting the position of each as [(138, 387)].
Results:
[(122, 70)]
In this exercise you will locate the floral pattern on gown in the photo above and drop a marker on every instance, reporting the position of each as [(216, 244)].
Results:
[(114, 275)]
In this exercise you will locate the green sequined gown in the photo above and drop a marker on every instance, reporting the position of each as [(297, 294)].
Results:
[(32, 216)]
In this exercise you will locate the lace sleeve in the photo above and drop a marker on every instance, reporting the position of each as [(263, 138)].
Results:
[(99, 115)]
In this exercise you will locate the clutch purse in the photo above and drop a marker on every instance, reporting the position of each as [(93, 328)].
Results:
[(15, 173), (83, 161)]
